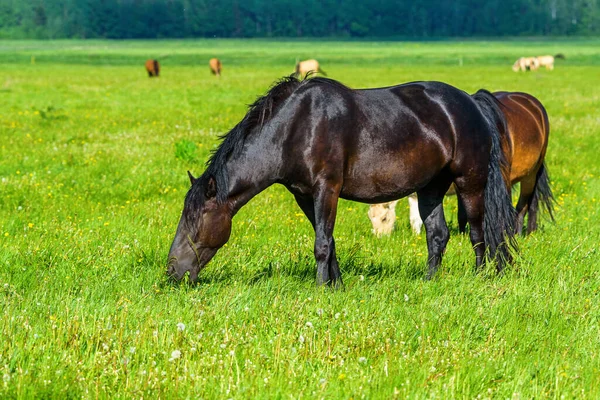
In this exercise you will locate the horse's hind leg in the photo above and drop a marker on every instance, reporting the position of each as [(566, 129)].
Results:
[(415, 219), (473, 203), (432, 214), (525, 196)]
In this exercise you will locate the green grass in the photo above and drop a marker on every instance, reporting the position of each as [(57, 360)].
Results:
[(93, 160)]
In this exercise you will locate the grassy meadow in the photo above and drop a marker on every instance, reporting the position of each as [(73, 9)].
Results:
[(93, 160)]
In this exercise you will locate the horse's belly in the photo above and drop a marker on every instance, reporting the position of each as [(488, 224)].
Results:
[(389, 179)]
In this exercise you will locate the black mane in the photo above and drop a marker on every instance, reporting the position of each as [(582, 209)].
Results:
[(259, 112)]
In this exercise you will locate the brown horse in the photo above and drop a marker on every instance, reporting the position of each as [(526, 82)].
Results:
[(215, 66), (524, 146), (528, 131), (153, 68)]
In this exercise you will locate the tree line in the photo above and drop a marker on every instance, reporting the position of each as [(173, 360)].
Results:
[(123, 19)]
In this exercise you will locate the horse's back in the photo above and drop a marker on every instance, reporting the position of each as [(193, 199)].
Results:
[(528, 126), (390, 141)]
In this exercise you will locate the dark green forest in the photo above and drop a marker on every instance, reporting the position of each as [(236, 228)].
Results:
[(53, 19)]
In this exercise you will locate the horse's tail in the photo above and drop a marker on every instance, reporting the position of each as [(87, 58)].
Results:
[(561, 56), (321, 71), (542, 193), (156, 67), (499, 213)]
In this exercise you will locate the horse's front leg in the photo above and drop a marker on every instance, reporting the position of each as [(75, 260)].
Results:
[(432, 213), (325, 202)]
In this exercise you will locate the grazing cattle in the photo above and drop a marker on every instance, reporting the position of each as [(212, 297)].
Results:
[(307, 66), (324, 141), (153, 68), (528, 132), (215, 66)]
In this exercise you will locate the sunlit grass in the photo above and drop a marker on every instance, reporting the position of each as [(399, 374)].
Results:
[(93, 162)]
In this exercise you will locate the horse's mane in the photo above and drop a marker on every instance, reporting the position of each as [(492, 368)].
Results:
[(259, 112), (325, 81)]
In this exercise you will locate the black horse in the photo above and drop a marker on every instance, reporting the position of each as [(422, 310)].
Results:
[(323, 140)]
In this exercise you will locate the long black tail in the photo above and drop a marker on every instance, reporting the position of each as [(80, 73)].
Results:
[(321, 71), (499, 213), (542, 194)]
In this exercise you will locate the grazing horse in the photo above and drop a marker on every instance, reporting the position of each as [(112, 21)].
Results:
[(308, 66), (548, 61), (215, 66), (324, 141), (383, 216), (153, 68), (528, 132), (526, 64)]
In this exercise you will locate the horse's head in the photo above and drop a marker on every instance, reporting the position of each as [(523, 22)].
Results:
[(517, 65), (382, 217), (204, 227)]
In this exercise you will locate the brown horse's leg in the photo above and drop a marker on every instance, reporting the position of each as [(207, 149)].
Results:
[(525, 195), (432, 213), (474, 208)]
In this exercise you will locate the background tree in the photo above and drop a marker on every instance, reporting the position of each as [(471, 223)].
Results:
[(295, 18)]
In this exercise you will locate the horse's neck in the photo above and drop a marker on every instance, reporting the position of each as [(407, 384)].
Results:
[(252, 171)]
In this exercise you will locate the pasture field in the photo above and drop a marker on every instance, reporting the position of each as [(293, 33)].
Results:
[(93, 160)]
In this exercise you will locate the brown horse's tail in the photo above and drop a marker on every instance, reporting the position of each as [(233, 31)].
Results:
[(542, 193), (499, 214), (156, 68)]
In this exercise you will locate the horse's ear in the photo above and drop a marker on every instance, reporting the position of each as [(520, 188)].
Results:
[(192, 179), (211, 188)]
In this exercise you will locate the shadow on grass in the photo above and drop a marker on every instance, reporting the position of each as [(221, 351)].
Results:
[(303, 269)]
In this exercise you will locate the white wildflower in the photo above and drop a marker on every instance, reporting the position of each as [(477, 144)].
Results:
[(362, 360), (309, 324), (405, 297), (180, 326), (175, 355)]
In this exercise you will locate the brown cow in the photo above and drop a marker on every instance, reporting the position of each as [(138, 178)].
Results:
[(304, 67), (153, 68), (215, 66)]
